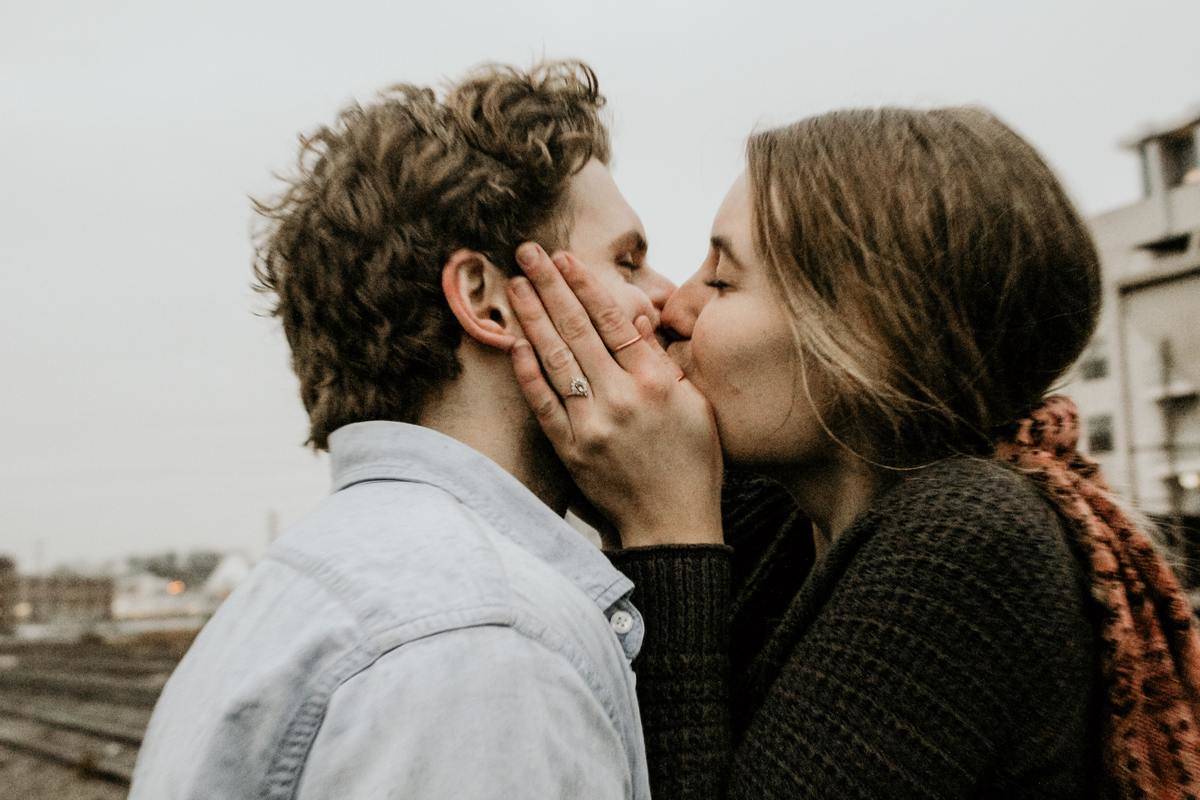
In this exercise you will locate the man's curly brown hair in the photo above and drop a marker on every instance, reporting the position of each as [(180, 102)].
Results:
[(353, 248)]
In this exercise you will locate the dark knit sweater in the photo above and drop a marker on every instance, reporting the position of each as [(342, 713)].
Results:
[(940, 648)]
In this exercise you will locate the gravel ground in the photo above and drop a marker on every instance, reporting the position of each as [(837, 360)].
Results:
[(24, 777)]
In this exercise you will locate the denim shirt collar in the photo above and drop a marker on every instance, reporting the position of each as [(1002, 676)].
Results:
[(381, 450)]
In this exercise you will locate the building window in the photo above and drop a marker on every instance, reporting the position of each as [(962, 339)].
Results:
[(1094, 364), (1168, 245), (1099, 434), (1179, 158), (1147, 170)]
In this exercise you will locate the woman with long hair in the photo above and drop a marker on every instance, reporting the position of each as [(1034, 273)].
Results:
[(888, 298)]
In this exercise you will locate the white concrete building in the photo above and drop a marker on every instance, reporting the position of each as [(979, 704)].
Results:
[(146, 596), (1138, 385)]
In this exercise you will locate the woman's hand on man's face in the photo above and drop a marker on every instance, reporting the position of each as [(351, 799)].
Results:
[(639, 439)]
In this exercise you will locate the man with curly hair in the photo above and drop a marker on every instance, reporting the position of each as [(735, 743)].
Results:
[(434, 628)]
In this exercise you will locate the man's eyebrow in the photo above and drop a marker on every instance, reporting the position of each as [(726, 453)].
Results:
[(721, 245), (632, 242)]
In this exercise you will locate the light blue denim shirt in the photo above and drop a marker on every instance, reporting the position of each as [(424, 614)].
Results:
[(431, 630)]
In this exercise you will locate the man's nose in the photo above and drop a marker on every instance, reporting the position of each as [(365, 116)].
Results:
[(681, 309), (658, 290)]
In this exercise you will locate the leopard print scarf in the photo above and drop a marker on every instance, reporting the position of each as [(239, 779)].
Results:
[(1150, 649)]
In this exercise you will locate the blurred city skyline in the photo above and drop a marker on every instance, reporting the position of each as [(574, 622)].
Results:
[(150, 410)]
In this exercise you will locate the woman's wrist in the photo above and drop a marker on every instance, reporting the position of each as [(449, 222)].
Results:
[(682, 591), (677, 532)]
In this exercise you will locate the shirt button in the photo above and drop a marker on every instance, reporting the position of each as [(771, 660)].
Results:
[(622, 622)]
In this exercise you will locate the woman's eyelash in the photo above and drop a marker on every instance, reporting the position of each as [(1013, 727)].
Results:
[(717, 284)]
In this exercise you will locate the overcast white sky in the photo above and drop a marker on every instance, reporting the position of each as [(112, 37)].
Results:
[(144, 407)]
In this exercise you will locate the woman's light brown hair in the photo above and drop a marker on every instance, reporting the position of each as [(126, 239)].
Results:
[(353, 247), (933, 269)]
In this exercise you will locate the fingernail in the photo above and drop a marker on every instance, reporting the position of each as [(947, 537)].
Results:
[(527, 254), (520, 344), (520, 286), (560, 261)]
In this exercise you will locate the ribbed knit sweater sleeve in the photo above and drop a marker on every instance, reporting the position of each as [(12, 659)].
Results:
[(683, 668), (939, 649)]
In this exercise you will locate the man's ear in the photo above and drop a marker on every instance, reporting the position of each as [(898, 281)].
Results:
[(474, 289)]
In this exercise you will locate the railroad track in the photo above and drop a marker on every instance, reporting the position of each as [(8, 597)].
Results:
[(80, 713), (127, 691), (118, 666), (93, 739), (92, 756), (52, 714)]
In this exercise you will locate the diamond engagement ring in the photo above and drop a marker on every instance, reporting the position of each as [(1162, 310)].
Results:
[(578, 388)]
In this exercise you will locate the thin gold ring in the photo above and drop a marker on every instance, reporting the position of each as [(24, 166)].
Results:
[(630, 343)]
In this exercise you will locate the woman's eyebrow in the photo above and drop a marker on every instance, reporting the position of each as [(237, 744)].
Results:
[(721, 244)]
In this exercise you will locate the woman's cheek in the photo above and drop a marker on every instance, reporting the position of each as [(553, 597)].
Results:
[(710, 349)]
